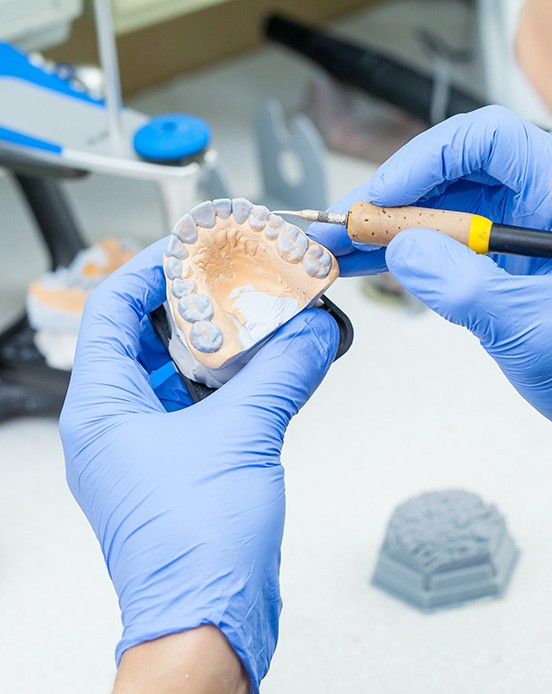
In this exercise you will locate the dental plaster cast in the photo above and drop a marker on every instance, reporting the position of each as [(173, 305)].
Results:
[(445, 548), (55, 300), (235, 273)]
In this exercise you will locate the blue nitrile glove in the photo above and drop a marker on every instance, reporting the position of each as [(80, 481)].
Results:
[(188, 505), (493, 163)]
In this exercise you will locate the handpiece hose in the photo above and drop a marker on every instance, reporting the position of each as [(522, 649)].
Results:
[(382, 77)]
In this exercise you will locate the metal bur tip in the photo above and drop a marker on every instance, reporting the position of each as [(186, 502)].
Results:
[(316, 216), (293, 213)]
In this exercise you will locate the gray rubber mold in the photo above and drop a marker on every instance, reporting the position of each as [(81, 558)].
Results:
[(443, 549)]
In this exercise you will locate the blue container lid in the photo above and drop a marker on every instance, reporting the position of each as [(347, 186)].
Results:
[(171, 136)]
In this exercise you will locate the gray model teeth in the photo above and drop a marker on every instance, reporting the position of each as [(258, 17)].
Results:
[(241, 209), (196, 307), (176, 248), (317, 262), (275, 225), (292, 244), (182, 288), (205, 336), (186, 229), (205, 215), (173, 268), (223, 207), (258, 217)]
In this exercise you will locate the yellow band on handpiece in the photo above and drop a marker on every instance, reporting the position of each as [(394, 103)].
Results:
[(480, 233)]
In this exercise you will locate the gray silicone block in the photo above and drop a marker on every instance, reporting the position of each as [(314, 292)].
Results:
[(443, 549)]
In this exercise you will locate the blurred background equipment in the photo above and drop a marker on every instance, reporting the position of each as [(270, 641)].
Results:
[(388, 79), (38, 23), (52, 127)]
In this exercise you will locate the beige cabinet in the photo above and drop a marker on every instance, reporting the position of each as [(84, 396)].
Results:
[(129, 15)]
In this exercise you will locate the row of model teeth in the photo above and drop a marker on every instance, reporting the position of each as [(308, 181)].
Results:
[(291, 243)]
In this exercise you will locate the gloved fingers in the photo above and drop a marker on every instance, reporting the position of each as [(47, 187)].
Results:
[(492, 142), (467, 196), (522, 265), (360, 263), (506, 312), (468, 191), (107, 366), (463, 287), (165, 381), (282, 376)]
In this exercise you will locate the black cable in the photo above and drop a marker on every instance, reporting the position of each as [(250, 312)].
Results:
[(360, 67)]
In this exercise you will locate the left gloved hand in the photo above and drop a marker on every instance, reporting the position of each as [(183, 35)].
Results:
[(188, 505)]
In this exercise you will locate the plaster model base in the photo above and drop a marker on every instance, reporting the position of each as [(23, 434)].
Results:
[(55, 300), (235, 273), (442, 549)]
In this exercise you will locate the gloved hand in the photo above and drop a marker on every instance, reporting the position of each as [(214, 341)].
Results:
[(188, 506), (492, 163)]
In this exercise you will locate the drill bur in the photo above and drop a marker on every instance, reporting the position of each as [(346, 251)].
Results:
[(317, 216)]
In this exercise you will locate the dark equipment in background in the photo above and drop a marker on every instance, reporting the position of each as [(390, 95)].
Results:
[(28, 386), (377, 75)]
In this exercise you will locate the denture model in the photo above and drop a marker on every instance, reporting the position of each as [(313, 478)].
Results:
[(55, 300), (235, 273)]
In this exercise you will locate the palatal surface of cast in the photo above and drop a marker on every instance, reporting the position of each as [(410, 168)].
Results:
[(235, 273)]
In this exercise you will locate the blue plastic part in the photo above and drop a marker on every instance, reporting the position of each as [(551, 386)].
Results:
[(18, 138), (171, 137), (14, 63), (162, 374)]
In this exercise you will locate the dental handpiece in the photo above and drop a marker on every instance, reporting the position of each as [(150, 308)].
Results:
[(369, 223)]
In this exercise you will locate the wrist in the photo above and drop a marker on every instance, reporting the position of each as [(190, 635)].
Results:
[(198, 661)]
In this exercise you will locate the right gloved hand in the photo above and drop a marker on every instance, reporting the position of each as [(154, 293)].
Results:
[(488, 162)]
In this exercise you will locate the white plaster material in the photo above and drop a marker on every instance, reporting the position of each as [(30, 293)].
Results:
[(255, 306), (57, 347), (55, 300)]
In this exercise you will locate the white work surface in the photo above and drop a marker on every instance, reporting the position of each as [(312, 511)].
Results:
[(416, 405)]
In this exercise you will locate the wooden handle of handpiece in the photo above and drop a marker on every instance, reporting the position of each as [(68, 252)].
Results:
[(369, 223)]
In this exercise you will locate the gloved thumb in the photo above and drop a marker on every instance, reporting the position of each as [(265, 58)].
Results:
[(285, 372), (463, 287)]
